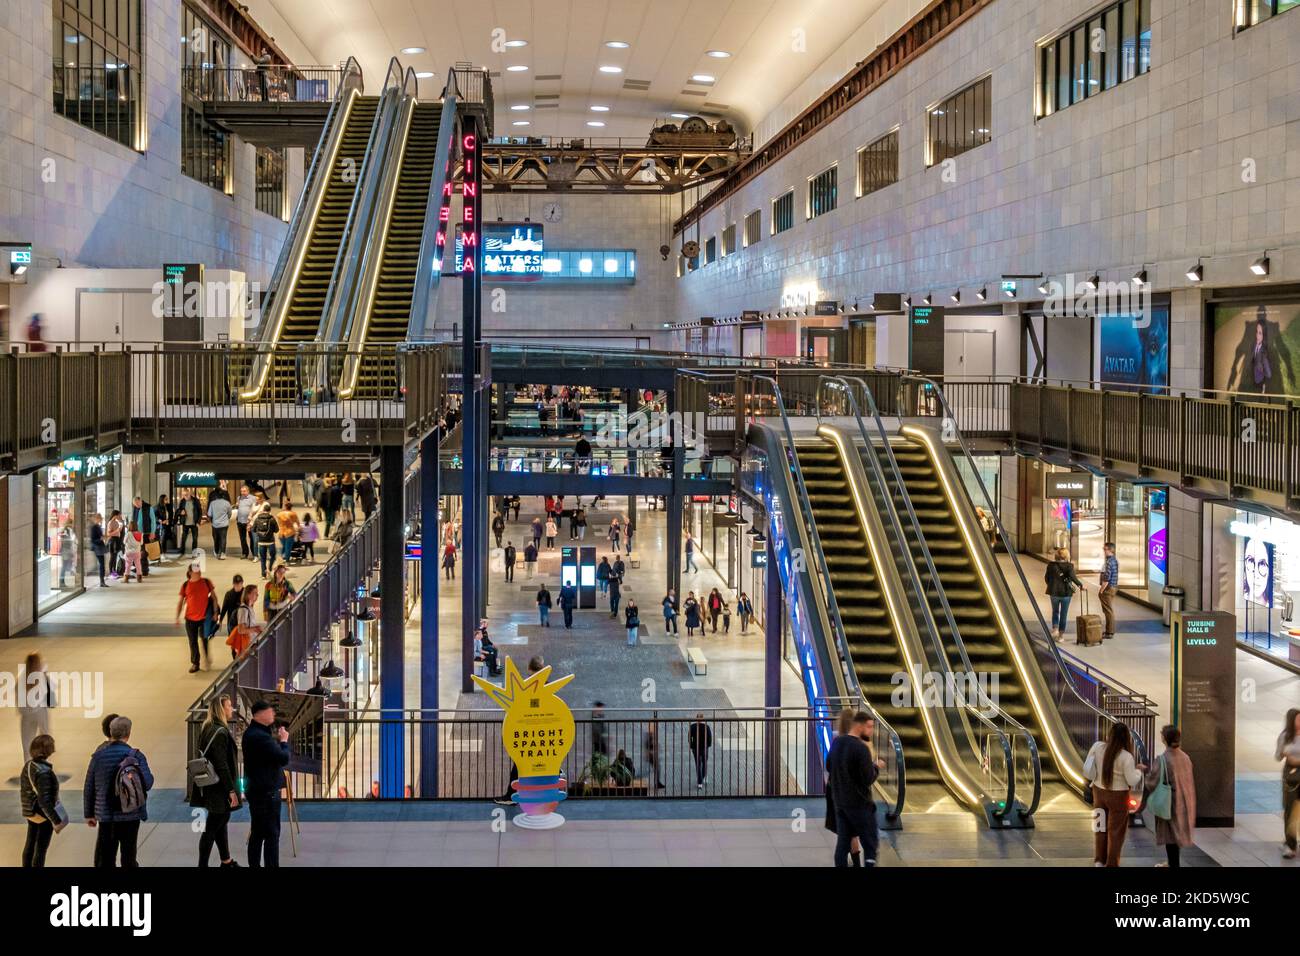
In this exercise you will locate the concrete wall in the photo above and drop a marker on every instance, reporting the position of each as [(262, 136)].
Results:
[(22, 552), (111, 206)]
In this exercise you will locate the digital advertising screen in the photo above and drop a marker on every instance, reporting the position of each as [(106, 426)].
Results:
[(1134, 350), (1255, 348), (512, 251)]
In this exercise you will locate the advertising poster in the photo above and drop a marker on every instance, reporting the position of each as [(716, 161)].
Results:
[(1255, 348), (1134, 351), (1257, 571)]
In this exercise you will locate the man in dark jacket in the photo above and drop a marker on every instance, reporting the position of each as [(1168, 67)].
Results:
[(264, 530), (366, 494), (143, 516), (266, 754), (331, 500), (188, 517), (568, 601), (851, 771), (700, 739), (119, 829), (510, 560)]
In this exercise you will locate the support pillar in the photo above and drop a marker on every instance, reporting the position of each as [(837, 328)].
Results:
[(431, 552), (773, 627), (473, 526), (392, 629)]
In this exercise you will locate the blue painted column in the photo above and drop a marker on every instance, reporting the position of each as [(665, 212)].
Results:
[(473, 525), (772, 631), (431, 552), (392, 628)]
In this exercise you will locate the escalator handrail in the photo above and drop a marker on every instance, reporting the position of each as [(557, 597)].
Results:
[(987, 705), (426, 280), (828, 592), (1045, 639)]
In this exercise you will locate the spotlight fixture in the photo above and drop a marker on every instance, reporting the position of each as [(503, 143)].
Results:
[(956, 295), (1260, 265), (424, 74), (1043, 287), (907, 301), (928, 298), (1093, 283), (1140, 277), (982, 294), (600, 109), (1196, 273), (680, 115), (1009, 289)]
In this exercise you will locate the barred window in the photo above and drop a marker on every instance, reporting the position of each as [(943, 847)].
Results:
[(960, 123), (878, 164), (783, 213), (753, 227), (270, 182), (205, 150), (1110, 47), (822, 192), (98, 65), (710, 250), (729, 240), (205, 55)]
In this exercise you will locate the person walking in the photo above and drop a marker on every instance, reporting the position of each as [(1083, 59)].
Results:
[(568, 601), (244, 506), (510, 560), (219, 511), (551, 532), (188, 517), (699, 738), (690, 554), (98, 545), (220, 798), (580, 520), (230, 602), (618, 569), (1113, 772), (1109, 585), (1288, 751), (331, 500), (615, 594), (164, 515), (715, 608), (343, 530), (632, 621), (35, 698), (38, 795), (263, 532), (691, 607), (851, 770), (277, 594), (530, 560), (367, 493), (449, 562), (246, 627), (115, 796), (543, 606), (602, 575), (1061, 582), (1173, 769), (308, 535), (198, 602), (498, 527), (650, 752), (114, 531), (670, 612), (287, 525), (537, 529), (266, 754), (746, 611), (615, 533)]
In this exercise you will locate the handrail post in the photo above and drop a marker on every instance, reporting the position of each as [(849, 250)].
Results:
[(1182, 440), (1234, 433), (1140, 437), (157, 393), (1069, 422), (1288, 475), (1042, 390), (1101, 427)]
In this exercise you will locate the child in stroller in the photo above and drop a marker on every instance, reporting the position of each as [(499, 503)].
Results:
[(304, 549)]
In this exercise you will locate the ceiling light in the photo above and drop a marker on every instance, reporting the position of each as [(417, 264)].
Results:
[(611, 69), (680, 115), (521, 123), (702, 78), (617, 44), (1196, 273), (982, 294), (423, 74), (717, 54), (928, 299), (600, 109), (1260, 266), (1043, 287), (516, 44), (595, 123), (956, 296), (1140, 277), (1092, 283), (412, 50), (517, 68), (520, 107)]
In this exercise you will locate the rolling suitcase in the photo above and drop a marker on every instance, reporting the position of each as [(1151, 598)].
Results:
[(1087, 627)]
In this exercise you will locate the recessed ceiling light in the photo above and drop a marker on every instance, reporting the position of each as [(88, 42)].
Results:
[(702, 78), (595, 123), (516, 44), (611, 69), (517, 68), (520, 107), (424, 75), (412, 50), (718, 54), (600, 109), (617, 44), (680, 115), (520, 123)]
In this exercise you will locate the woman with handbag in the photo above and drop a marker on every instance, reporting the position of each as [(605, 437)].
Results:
[(214, 787), (1113, 772), (244, 627), (1288, 751), (39, 792), (1172, 799)]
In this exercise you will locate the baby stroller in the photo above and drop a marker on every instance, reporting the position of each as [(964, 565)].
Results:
[(298, 555)]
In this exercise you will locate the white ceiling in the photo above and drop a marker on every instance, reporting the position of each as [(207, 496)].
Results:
[(668, 44)]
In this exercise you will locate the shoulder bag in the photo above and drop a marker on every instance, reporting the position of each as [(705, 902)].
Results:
[(202, 773), (1161, 800)]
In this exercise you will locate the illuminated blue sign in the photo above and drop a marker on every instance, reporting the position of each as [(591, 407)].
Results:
[(510, 250)]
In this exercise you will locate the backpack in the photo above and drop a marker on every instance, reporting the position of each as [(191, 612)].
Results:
[(128, 784)]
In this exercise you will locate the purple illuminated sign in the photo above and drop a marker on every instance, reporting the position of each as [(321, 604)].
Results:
[(1156, 552)]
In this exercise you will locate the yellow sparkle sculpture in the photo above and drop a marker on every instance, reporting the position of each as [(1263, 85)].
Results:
[(538, 733)]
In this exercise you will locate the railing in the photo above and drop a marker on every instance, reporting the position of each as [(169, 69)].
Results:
[(59, 402), (473, 87), (273, 83)]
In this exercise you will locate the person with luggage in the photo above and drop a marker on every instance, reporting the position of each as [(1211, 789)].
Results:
[(1172, 799), (277, 594), (1061, 582), (143, 517), (1109, 585), (746, 611), (1112, 772)]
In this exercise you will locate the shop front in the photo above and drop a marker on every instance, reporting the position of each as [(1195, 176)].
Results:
[(1080, 512), (59, 533), (1253, 572)]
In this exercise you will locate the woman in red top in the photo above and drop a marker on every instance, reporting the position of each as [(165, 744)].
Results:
[(198, 597)]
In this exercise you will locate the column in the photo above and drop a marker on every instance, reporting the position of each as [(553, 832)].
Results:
[(392, 629), (772, 630), (431, 551)]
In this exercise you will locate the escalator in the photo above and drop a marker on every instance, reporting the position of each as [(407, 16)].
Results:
[(870, 637), (394, 289)]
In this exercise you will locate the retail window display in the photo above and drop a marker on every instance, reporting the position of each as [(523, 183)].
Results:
[(1254, 573), (59, 533)]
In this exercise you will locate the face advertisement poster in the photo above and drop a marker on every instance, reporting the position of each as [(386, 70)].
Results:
[(1257, 571), (1255, 348), (1134, 350)]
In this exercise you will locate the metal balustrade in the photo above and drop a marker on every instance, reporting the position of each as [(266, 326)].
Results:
[(273, 83)]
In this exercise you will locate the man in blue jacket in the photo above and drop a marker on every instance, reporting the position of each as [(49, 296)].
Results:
[(266, 754), (119, 827)]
